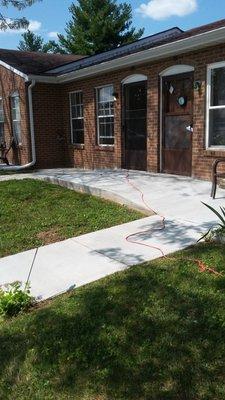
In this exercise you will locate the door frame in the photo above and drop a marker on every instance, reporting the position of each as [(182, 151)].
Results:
[(173, 70), (130, 79)]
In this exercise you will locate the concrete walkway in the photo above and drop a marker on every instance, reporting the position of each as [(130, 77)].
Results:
[(80, 260)]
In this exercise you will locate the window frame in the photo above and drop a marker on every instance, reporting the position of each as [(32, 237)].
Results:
[(3, 119), (13, 95), (103, 116), (77, 118), (211, 67)]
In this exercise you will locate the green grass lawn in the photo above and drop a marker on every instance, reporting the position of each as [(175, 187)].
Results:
[(34, 213), (153, 332), (8, 172), (2, 172)]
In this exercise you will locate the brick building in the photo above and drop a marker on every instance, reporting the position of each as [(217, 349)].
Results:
[(157, 104)]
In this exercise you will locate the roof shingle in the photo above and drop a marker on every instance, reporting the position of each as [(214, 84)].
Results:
[(35, 62), (149, 42)]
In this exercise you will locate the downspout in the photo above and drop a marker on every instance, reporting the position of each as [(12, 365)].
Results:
[(31, 119)]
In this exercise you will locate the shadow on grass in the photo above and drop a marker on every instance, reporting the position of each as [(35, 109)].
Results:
[(153, 332)]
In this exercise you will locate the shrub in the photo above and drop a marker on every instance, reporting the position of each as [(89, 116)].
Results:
[(14, 299), (217, 234), (220, 215)]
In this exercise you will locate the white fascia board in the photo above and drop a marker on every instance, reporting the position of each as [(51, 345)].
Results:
[(14, 70), (202, 40), (44, 78)]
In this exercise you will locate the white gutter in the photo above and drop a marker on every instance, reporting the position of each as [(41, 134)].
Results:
[(31, 119), (180, 46)]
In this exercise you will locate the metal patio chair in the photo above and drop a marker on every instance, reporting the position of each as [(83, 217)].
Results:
[(216, 175), (4, 150)]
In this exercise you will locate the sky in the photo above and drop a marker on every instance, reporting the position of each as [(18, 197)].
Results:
[(48, 17)]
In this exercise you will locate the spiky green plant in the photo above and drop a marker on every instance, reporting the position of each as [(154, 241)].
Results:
[(220, 215)]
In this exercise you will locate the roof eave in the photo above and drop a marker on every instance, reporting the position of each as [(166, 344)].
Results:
[(14, 70), (199, 41)]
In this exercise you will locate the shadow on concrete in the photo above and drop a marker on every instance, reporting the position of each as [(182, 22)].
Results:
[(174, 237)]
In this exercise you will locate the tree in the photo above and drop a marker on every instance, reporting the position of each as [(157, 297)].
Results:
[(7, 22), (97, 26), (53, 47), (31, 42)]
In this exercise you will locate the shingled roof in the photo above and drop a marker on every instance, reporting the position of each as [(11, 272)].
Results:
[(121, 51), (168, 36), (35, 62)]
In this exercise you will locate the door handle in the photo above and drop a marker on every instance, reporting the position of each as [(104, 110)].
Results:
[(189, 128)]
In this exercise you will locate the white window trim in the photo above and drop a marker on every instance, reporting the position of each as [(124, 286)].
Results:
[(71, 118), (103, 116), (1, 99), (3, 122), (210, 67), (16, 94)]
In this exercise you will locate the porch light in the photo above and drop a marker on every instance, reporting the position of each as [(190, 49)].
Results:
[(197, 85), (115, 96)]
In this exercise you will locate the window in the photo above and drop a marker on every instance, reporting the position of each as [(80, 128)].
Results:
[(216, 106), (16, 120), (77, 117), (105, 115), (1, 121)]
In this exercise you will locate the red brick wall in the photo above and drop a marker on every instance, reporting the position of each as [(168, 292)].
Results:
[(50, 135), (52, 118), (9, 83)]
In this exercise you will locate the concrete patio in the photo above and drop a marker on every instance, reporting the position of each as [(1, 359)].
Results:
[(173, 196), (79, 260)]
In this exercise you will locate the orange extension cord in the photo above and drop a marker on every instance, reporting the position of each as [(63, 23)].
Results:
[(201, 265)]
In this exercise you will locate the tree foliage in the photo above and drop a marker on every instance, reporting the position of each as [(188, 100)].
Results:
[(7, 22), (53, 47), (97, 26), (32, 42)]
